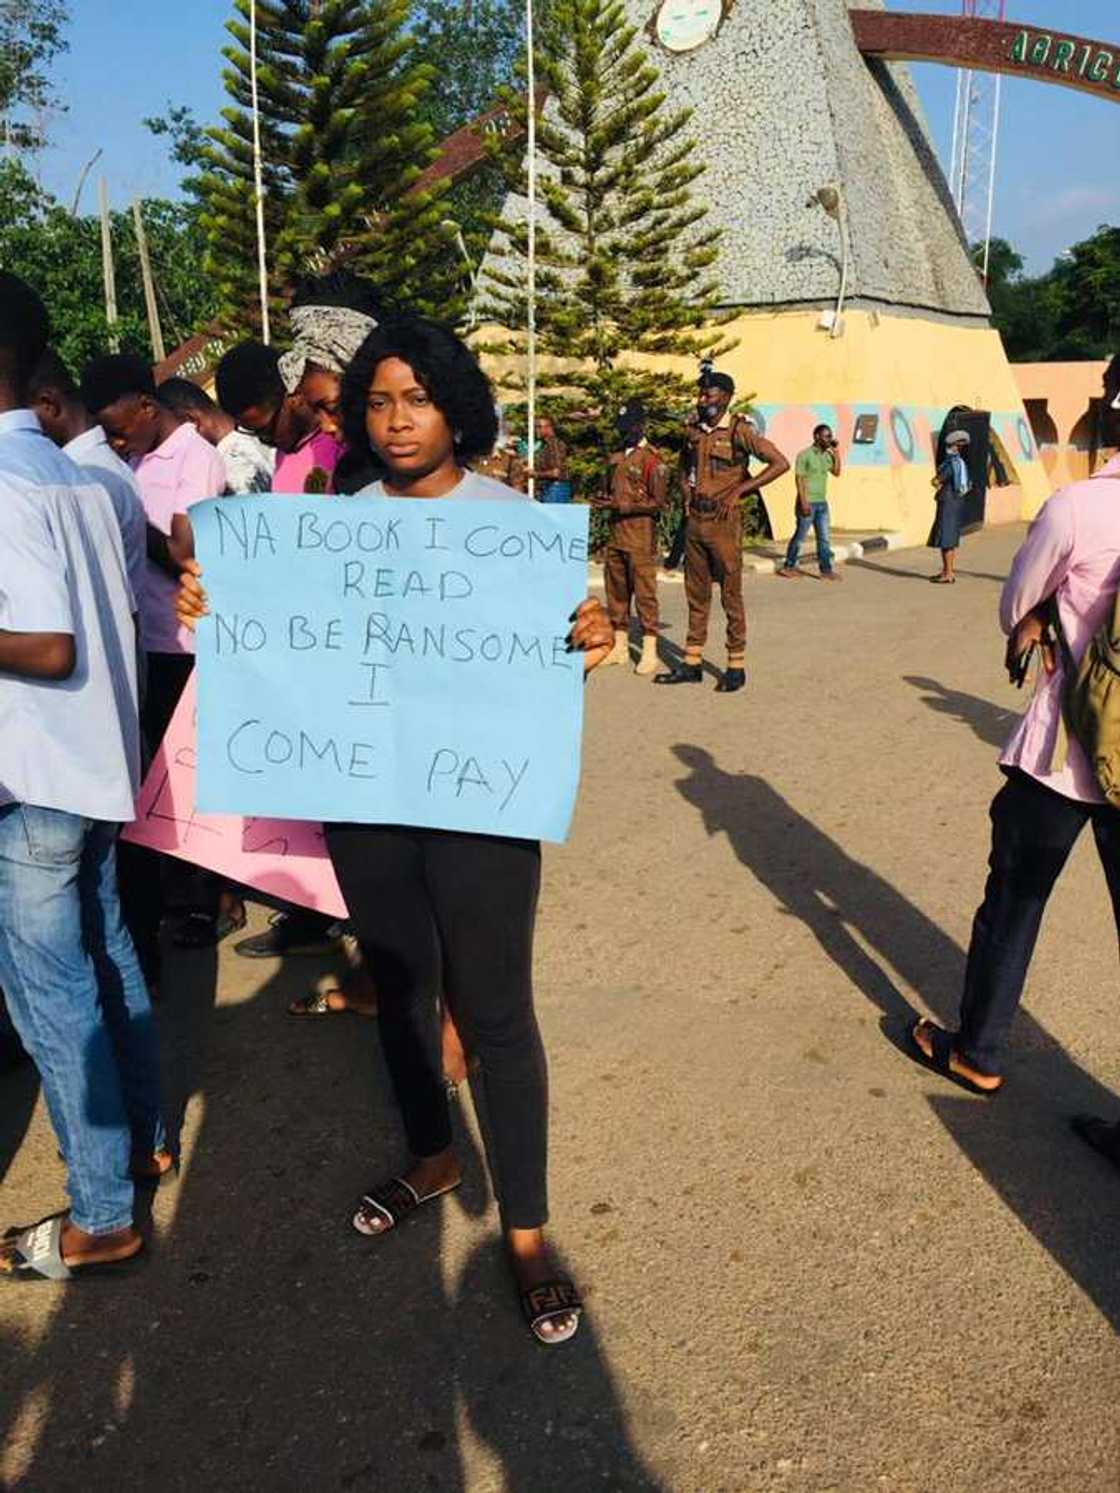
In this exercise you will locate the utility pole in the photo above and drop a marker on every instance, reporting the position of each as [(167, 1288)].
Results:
[(258, 175), (107, 272), (154, 328)]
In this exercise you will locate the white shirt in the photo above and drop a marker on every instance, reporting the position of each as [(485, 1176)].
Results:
[(69, 744), (249, 463), (93, 453)]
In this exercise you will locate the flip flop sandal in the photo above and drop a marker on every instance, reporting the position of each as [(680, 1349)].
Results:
[(317, 1004), (39, 1255), (1103, 1137), (546, 1302), (383, 1208), (939, 1063), (204, 930), (943, 580)]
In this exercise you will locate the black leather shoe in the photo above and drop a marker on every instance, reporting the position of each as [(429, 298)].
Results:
[(732, 680), (681, 674)]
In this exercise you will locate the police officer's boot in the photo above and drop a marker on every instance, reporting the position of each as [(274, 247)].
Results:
[(732, 680), (620, 653), (647, 664), (682, 673)]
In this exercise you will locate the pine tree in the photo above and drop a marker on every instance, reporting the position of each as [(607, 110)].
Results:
[(624, 261), (342, 146)]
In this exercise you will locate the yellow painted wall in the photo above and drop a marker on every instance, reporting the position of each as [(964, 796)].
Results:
[(881, 361), (798, 375)]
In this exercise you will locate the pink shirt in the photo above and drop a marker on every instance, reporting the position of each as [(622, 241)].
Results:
[(1072, 550), (182, 471), (294, 467)]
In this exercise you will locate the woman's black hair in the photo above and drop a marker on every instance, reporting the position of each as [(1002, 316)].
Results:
[(446, 368)]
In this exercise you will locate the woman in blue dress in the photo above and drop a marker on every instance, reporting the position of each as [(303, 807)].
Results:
[(952, 483)]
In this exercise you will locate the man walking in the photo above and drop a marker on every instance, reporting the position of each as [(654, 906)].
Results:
[(637, 492), (1070, 561), (716, 472), (814, 466), (69, 767)]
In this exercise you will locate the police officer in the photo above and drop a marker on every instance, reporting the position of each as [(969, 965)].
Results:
[(716, 470), (636, 492)]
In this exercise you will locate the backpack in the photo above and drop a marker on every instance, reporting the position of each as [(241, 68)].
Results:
[(1091, 699)]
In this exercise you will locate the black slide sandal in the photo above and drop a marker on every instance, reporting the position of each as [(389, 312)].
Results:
[(939, 1063), (551, 1299)]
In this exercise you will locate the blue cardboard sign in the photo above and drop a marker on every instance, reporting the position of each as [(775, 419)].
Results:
[(391, 661)]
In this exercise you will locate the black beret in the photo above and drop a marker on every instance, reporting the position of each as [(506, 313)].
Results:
[(718, 381)]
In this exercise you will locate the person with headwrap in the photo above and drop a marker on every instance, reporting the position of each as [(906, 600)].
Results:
[(330, 318), (635, 491), (716, 471)]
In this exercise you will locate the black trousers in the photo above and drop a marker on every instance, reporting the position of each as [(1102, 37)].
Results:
[(142, 872), (1033, 831), (441, 913)]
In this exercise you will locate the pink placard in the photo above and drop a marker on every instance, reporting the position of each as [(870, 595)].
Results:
[(287, 858)]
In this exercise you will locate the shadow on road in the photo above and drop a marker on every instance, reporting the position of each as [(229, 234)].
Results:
[(922, 575), (266, 1345), (1064, 1196), (993, 724)]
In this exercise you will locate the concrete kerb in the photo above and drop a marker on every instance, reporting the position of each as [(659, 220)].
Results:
[(767, 565)]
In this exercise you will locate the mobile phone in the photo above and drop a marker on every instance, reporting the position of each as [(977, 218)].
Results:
[(1022, 666)]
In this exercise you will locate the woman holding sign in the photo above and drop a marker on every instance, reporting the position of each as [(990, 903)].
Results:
[(443, 910)]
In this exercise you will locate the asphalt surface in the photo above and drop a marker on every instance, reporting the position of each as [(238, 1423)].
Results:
[(809, 1264)]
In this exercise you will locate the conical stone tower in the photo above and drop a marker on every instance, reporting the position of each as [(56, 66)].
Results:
[(785, 105)]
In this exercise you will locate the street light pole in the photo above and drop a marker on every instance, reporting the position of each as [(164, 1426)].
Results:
[(258, 175)]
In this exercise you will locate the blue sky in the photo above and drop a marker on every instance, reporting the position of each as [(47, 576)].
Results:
[(1057, 176)]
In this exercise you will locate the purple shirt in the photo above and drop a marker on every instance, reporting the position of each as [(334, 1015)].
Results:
[(1072, 551), (182, 471)]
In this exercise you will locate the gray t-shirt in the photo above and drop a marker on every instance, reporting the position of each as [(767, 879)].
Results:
[(472, 487)]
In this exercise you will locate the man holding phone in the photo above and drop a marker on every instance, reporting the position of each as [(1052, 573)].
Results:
[(815, 465)]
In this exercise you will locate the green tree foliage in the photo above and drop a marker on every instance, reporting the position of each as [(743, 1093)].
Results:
[(343, 142), (625, 261), (473, 49), (32, 34), (1072, 312), (61, 256)]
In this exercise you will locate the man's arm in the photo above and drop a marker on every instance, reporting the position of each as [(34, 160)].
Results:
[(801, 481), (1041, 565), (837, 464), (776, 466), (180, 546), (37, 655), (159, 552), (37, 623)]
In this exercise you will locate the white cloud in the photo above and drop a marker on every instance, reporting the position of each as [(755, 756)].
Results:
[(1079, 202)]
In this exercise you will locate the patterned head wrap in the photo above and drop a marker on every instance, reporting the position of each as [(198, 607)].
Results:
[(328, 336)]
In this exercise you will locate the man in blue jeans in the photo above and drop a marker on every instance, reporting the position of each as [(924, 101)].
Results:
[(815, 465), (69, 763)]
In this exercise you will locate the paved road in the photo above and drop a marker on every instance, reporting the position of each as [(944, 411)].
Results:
[(811, 1265)]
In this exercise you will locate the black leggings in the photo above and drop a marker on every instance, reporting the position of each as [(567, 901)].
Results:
[(440, 913)]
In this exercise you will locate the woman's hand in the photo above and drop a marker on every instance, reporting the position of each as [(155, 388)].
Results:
[(592, 634), (190, 599)]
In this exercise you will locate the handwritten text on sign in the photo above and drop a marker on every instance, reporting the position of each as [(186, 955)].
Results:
[(391, 661)]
